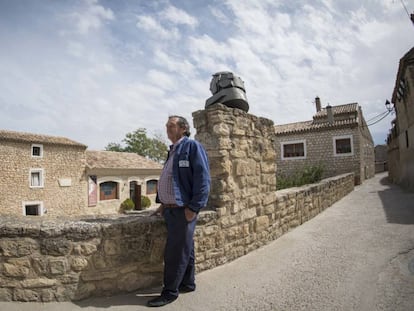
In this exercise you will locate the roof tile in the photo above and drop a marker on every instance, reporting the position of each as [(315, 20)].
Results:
[(119, 160), (346, 115), (37, 138)]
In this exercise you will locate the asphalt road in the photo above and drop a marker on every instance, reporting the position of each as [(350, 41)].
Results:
[(356, 255)]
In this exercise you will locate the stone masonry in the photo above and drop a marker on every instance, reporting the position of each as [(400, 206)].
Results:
[(318, 136), (61, 160), (71, 259)]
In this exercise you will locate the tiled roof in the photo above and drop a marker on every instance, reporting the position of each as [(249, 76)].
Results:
[(337, 110), (344, 115), (37, 138), (311, 126), (119, 160), (292, 127)]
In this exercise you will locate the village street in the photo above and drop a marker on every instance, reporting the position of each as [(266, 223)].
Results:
[(356, 255)]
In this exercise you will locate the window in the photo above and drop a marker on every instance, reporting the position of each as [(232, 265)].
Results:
[(108, 191), (293, 149), (36, 178), (343, 145), (33, 208), (407, 141), (152, 186), (37, 151)]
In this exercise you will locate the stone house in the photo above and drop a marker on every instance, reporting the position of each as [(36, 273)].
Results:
[(41, 174), (57, 176), (381, 158), (337, 138), (400, 140), (116, 176)]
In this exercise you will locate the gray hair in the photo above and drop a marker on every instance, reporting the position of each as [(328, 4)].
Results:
[(182, 123)]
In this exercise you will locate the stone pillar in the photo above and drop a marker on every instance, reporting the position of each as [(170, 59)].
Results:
[(242, 159)]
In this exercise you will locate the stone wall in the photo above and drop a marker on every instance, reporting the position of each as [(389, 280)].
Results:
[(45, 260), (401, 139), (55, 260)]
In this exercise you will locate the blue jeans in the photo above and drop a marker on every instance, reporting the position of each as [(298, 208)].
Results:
[(179, 268)]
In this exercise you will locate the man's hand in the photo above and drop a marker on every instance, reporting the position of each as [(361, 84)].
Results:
[(189, 214), (159, 211)]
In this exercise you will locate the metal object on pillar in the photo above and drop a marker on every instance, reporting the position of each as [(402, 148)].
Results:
[(227, 89)]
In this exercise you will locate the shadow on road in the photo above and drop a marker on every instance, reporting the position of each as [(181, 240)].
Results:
[(397, 203), (138, 298)]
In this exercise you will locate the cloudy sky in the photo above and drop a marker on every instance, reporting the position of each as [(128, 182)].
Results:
[(94, 70)]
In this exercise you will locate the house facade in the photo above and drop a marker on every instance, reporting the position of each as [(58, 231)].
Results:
[(41, 175), (56, 176), (400, 140), (116, 176), (381, 158), (337, 139)]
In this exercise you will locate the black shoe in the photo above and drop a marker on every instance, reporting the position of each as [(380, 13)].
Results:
[(160, 301), (186, 289)]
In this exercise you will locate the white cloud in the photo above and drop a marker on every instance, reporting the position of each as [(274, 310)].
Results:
[(178, 17), (113, 70), (181, 66), (92, 17), (219, 15), (162, 80), (155, 29)]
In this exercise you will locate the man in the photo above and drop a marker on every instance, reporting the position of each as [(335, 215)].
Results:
[(183, 190)]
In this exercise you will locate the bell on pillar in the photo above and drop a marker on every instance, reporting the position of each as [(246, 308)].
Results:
[(228, 90)]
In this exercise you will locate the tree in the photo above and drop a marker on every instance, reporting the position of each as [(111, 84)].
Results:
[(138, 142), (114, 147)]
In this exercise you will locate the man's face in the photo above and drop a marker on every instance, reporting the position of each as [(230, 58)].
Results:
[(174, 132)]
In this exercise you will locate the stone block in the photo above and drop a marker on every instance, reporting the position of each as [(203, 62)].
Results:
[(111, 247), (86, 248), (17, 268), (99, 275), (78, 263), (47, 295), (6, 294), (38, 282), (58, 266), (247, 214), (26, 295), (261, 224), (56, 247), (210, 230), (12, 247)]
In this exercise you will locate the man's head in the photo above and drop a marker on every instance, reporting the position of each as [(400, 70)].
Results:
[(177, 127)]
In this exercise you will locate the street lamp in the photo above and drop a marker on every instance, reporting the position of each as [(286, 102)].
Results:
[(388, 105)]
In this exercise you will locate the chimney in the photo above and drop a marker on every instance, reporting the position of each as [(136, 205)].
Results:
[(330, 114), (318, 104)]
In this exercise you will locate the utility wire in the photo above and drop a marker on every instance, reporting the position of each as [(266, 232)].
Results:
[(378, 116), (410, 16), (383, 117), (405, 8)]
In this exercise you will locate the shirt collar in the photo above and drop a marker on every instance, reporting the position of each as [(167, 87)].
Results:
[(173, 146)]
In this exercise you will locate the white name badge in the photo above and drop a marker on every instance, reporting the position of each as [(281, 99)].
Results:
[(184, 163)]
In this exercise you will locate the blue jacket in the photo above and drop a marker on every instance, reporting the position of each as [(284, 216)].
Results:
[(191, 175)]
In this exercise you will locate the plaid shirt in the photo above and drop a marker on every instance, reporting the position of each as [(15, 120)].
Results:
[(165, 184)]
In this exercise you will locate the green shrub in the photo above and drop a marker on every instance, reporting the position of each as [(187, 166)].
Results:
[(145, 201), (308, 175), (127, 205)]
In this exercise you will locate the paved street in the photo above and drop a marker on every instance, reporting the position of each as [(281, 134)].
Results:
[(356, 255)]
